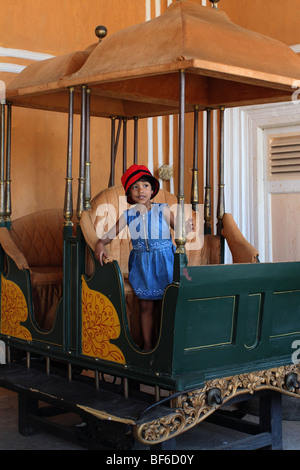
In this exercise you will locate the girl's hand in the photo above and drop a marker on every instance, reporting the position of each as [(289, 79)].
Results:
[(189, 226), (100, 252)]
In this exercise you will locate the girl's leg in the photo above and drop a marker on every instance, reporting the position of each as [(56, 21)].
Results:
[(147, 322)]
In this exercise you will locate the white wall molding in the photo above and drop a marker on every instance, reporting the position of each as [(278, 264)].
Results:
[(23, 54), (19, 54), (296, 48), (12, 68)]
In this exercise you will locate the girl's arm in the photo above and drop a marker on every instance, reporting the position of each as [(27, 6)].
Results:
[(100, 252), (189, 225), (169, 216)]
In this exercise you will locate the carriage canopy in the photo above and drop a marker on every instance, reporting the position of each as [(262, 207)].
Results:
[(132, 72)]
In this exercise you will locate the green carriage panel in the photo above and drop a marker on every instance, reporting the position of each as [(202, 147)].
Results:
[(237, 318)]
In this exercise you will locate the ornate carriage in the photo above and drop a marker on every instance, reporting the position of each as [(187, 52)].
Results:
[(222, 330)]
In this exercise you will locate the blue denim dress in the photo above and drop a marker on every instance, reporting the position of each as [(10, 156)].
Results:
[(152, 257)]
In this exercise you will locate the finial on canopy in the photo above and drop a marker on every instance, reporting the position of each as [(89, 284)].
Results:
[(101, 32), (214, 3)]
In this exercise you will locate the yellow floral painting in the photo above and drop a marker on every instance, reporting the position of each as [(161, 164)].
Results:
[(13, 310), (100, 324)]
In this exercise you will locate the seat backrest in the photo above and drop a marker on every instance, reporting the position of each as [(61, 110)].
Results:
[(242, 251), (39, 236), (109, 204)]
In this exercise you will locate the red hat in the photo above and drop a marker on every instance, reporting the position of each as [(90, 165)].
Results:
[(133, 174)]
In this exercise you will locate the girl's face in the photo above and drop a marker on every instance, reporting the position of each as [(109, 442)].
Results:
[(141, 192)]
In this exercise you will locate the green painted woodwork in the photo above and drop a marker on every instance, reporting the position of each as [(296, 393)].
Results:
[(237, 318), (49, 341), (217, 321)]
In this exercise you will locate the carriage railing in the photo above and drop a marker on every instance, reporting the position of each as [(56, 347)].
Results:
[(84, 179)]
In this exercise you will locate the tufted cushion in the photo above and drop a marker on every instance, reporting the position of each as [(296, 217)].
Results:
[(39, 236), (35, 242)]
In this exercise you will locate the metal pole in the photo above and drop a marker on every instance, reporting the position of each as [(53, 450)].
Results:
[(81, 179), (114, 148), (135, 140), (8, 165), (69, 371), (195, 188), (28, 360), (221, 199), (48, 365), (126, 387), (97, 379), (117, 139), (87, 204), (2, 152), (112, 152), (68, 203), (207, 196), (124, 145), (180, 234)]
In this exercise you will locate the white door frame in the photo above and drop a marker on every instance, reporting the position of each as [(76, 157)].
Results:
[(246, 194)]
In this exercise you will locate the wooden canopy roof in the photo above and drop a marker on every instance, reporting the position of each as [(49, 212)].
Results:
[(134, 72)]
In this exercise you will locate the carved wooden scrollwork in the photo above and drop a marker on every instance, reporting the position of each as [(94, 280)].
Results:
[(193, 407)]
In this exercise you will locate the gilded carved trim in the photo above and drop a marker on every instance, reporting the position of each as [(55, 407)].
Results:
[(13, 310), (193, 407), (100, 324)]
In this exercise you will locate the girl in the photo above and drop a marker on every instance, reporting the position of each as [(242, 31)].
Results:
[(152, 257)]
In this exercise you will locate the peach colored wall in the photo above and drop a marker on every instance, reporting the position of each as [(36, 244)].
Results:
[(275, 18), (39, 139), (57, 27)]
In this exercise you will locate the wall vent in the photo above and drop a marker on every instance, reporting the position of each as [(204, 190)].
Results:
[(284, 156)]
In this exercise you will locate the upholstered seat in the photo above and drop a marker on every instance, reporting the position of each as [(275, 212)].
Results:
[(35, 242), (242, 251)]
